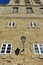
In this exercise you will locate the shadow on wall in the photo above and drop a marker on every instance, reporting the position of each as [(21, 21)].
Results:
[(3, 2)]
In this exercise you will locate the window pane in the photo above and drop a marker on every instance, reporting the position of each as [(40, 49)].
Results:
[(8, 48), (10, 24), (36, 48), (41, 48)]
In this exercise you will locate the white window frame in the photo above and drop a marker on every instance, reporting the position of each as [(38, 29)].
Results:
[(32, 24), (38, 49), (6, 48), (11, 24)]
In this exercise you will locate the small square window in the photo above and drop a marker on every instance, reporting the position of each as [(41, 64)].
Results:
[(16, 3), (15, 10), (12, 24), (4, 45), (37, 2), (27, 2), (32, 24), (41, 9), (29, 10)]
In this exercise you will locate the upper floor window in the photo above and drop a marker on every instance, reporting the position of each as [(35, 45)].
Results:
[(38, 48), (27, 2), (37, 2), (6, 48), (12, 24), (41, 10), (29, 10), (15, 10), (32, 24), (17, 2)]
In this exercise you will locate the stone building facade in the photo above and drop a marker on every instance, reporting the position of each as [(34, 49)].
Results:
[(21, 18)]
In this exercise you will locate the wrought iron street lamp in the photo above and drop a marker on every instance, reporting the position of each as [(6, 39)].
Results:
[(23, 38)]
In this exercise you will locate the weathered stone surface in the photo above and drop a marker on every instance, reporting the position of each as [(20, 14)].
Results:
[(13, 34)]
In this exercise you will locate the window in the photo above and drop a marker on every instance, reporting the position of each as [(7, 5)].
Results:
[(27, 2), (17, 2), (15, 10), (41, 10), (12, 24), (32, 24), (29, 10), (38, 48), (5, 48), (37, 2)]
